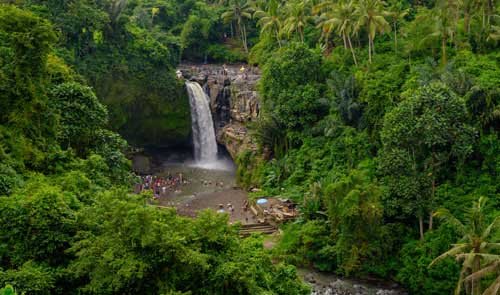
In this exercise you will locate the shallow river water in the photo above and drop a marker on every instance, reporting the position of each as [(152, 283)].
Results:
[(214, 184), (206, 185)]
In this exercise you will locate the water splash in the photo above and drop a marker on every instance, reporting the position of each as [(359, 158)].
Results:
[(205, 146)]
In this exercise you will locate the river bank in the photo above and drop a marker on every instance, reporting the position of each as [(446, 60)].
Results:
[(204, 187), (330, 284), (210, 187)]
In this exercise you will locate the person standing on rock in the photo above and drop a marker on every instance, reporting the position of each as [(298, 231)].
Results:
[(230, 208), (243, 72)]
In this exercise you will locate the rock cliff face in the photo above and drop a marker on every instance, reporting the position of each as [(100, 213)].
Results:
[(146, 115), (233, 100)]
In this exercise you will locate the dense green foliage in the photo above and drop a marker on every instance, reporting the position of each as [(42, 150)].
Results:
[(375, 115), (419, 136), (110, 43), (68, 221), (128, 50)]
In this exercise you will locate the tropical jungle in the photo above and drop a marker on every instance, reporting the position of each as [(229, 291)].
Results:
[(378, 119)]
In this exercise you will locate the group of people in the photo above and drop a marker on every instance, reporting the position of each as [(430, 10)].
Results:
[(230, 209), (160, 185), (224, 70)]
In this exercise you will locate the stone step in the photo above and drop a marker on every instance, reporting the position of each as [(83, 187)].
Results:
[(246, 234), (269, 228), (256, 225), (265, 228)]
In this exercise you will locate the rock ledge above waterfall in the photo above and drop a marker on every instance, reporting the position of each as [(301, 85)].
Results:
[(234, 100)]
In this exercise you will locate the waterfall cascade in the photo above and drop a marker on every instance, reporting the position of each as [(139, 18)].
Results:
[(205, 146)]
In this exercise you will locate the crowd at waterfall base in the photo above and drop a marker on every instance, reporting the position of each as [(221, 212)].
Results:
[(176, 181), (161, 186)]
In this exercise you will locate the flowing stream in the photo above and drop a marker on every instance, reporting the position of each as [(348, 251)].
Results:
[(205, 146)]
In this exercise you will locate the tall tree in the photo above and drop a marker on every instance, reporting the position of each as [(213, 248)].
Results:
[(340, 18), (323, 12), (371, 16), (25, 43), (297, 16), (488, 8), (355, 214), (419, 136), (475, 249), (468, 7), (443, 17), (396, 14), (270, 19), (239, 11)]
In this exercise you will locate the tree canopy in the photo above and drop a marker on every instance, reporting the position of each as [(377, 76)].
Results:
[(375, 116)]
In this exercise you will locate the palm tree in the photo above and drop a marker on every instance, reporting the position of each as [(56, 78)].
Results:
[(371, 15), (491, 269), (444, 18), (488, 10), (297, 12), (239, 11), (270, 134), (468, 7), (323, 11), (341, 18), (474, 247), (345, 93), (396, 14), (269, 20), (116, 7)]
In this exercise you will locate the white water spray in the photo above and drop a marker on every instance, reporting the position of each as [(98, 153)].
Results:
[(205, 146)]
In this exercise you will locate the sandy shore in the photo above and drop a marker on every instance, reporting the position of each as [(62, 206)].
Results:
[(211, 200)]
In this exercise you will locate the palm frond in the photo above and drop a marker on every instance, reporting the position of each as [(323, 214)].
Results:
[(494, 288), (490, 228), (450, 219), (491, 246), (492, 268), (486, 258), (458, 288), (456, 250)]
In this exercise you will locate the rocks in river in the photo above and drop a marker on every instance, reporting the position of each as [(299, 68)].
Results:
[(340, 287), (360, 289), (331, 285)]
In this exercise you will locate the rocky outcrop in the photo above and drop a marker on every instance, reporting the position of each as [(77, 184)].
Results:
[(235, 137), (233, 99), (325, 284)]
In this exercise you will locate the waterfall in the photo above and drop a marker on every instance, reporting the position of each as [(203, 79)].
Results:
[(205, 146)]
